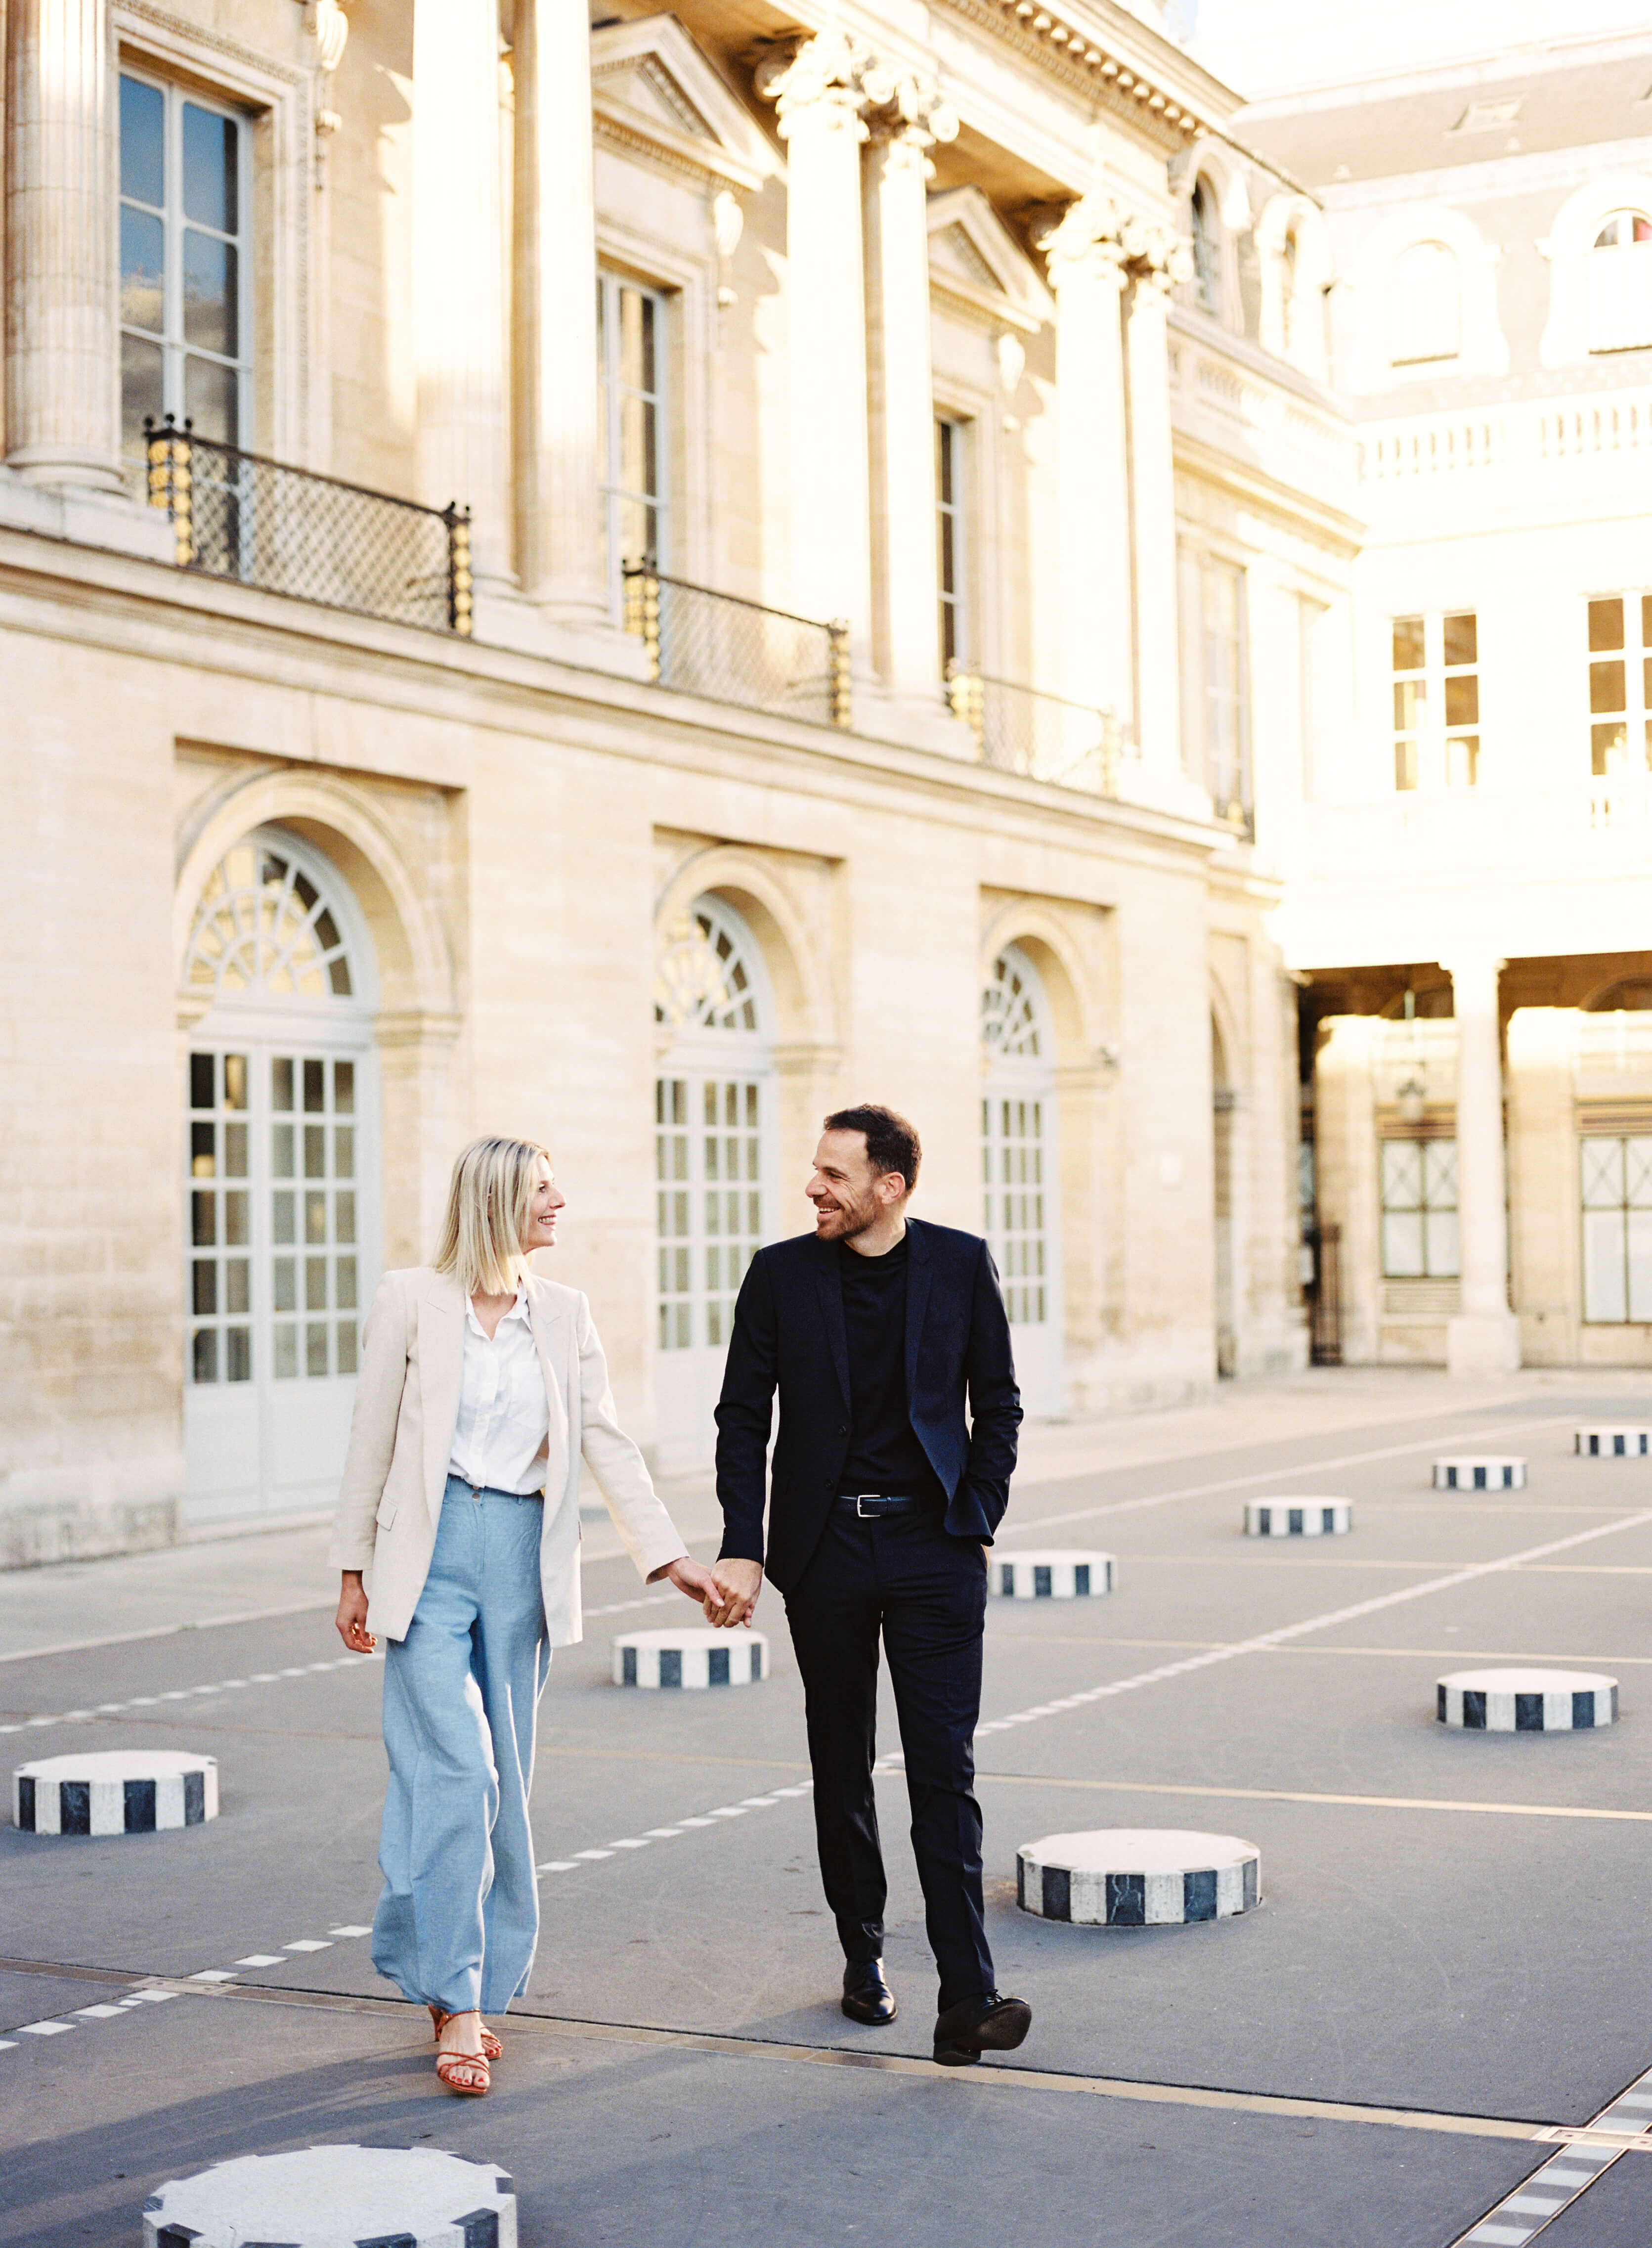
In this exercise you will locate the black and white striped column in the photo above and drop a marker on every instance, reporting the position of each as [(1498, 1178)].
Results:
[(1298, 1517), (1527, 1700), (1127, 1877), (1614, 1443), (117, 1791), (690, 1658), (1474, 1473), (1051, 1573), (334, 2197)]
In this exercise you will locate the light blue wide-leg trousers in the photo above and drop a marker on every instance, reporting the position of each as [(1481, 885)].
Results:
[(459, 1917)]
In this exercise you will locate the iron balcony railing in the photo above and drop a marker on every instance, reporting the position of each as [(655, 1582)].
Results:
[(736, 651), (237, 515), (1018, 729)]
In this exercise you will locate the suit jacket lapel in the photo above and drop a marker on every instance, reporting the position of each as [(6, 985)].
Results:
[(553, 1340), (828, 1275), (442, 1309), (918, 1272)]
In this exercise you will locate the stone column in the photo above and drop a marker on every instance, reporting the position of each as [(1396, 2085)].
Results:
[(1153, 506), (1086, 272), (900, 392), (560, 551), (821, 92), (62, 365), (1485, 1338), (458, 274)]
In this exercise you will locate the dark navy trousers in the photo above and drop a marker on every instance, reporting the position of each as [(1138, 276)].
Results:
[(901, 1578)]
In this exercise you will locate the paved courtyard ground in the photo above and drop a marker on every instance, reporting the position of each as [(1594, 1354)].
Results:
[(1450, 1960)]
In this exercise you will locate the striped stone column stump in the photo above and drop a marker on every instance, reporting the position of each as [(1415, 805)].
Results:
[(116, 1791), (1614, 1443), (1051, 1573), (1527, 1700), (1480, 1475), (1127, 1877), (690, 1658), (335, 2197), (1298, 1517)]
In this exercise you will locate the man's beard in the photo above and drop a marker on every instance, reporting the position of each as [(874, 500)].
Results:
[(856, 1218)]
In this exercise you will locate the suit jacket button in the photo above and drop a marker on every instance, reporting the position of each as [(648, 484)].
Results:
[(843, 1429)]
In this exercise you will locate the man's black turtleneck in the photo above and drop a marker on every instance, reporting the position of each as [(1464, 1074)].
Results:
[(884, 1452)]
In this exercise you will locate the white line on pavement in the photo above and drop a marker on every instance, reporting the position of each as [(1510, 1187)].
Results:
[(1043, 1522), (187, 1693)]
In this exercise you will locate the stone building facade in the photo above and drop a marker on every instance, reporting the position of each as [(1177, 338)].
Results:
[(655, 612)]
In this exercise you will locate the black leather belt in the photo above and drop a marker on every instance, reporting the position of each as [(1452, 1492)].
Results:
[(867, 1505)]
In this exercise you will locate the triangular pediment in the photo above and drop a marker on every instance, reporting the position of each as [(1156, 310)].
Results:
[(651, 83), (975, 260)]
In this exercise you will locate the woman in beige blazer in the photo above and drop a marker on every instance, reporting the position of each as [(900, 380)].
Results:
[(457, 1533)]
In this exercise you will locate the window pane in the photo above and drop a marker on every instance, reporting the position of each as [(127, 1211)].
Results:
[(234, 1151), (1440, 1174), (204, 1366), (1410, 705), (143, 392), (1638, 1227), (315, 1348), (1605, 1295), (1463, 701), (1440, 1244), (235, 1220), (142, 272), (286, 1352), (1607, 686), (281, 1216), (234, 1081), (237, 1351), (315, 1151), (209, 183), (1646, 619), (344, 1088), (211, 398), (315, 1284), (343, 1151), (281, 1084), (315, 1082), (636, 340), (236, 1297), (1602, 1173), (210, 284), (201, 1081), (1402, 1174), (1608, 746), (204, 1221), (203, 1145), (1402, 1244), (1407, 643), (344, 1274), (344, 1216), (205, 1296), (142, 124), (347, 1345), (1606, 625), (315, 1218), (285, 1275), (1462, 638)]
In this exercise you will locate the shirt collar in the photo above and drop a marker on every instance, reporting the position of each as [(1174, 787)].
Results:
[(517, 1310)]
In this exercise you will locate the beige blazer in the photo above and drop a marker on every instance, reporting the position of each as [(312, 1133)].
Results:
[(402, 1438)]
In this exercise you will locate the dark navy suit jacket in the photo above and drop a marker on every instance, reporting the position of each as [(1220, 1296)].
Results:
[(789, 1335)]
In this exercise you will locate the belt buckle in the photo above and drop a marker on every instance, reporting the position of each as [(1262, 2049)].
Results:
[(861, 1499)]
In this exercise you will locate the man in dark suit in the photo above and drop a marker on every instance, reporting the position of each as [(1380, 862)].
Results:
[(884, 1498)]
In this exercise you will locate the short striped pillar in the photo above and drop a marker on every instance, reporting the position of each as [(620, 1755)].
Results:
[(334, 2197), (1527, 1700), (1125, 1877), (1614, 1443), (1050, 1574), (690, 1658), (117, 1791), (1298, 1517), (1480, 1475)]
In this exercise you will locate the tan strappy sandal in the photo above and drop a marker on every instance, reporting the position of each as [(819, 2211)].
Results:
[(491, 2047), (448, 2065)]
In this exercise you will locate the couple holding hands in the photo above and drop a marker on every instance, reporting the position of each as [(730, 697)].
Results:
[(483, 1385)]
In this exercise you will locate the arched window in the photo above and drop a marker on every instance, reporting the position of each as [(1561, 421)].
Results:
[(1018, 1154), (1620, 285), (713, 1103), (281, 1192), (1425, 306), (1207, 249)]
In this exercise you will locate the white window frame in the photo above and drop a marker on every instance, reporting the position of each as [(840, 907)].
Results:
[(173, 349), (1632, 1281), (1425, 339), (1444, 1262), (1431, 749), (952, 435), (1618, 281), (615, 494), (1629, 715)]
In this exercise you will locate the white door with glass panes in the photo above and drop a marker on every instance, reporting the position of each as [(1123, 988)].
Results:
[(281, 1179), (1617, 1228), (713, 1124), (1018, 1172)]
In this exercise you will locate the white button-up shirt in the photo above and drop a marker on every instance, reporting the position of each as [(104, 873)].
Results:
[(499, 1437)]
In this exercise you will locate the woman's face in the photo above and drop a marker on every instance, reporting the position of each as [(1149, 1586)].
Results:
[(542, 1216)]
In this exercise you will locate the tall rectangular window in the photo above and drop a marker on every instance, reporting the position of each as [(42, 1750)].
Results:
[(1617, 1228), (1621, 684), (1419, 1180), (186, 326), (1436, 716), (630, 370), (1226, 681), (950, 531)]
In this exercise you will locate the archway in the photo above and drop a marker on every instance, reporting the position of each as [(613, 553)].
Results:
[(282, 1186), (1020, 1170), (715, 1127)]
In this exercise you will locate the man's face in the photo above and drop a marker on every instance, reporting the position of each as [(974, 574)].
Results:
[(844, 1187)]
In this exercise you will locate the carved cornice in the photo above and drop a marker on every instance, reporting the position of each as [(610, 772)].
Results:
[(1076, 57)]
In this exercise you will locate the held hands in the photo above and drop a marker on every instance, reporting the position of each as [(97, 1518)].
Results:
[(727, 1592), (352, 1619)]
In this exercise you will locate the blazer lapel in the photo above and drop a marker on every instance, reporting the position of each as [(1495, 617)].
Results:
[(553, 1339), (441, 1377), (919, 1273), (828, 1275)]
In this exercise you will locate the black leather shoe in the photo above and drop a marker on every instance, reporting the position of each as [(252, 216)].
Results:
[(988, 2024), (867, 1996)]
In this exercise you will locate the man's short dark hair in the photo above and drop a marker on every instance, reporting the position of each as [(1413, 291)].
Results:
[(891, 1143)]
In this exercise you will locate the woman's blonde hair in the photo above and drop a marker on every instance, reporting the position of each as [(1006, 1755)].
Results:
[(490, 1202)]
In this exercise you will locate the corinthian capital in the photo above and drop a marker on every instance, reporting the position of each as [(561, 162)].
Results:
[(830, 73), (1099, 235), (914, 110)]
